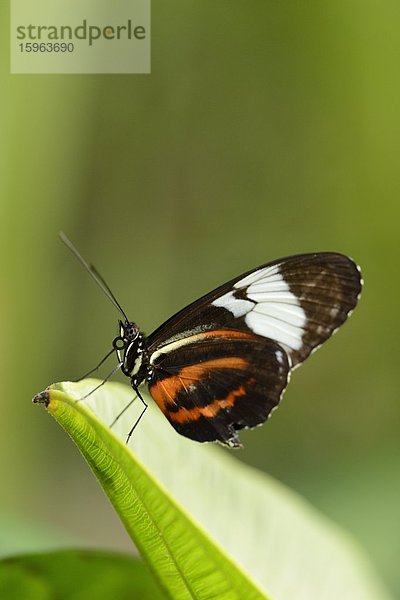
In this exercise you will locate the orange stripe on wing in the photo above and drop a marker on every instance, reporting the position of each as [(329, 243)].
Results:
[(198, 370), (166, 390), (226, 333), (185, 415)]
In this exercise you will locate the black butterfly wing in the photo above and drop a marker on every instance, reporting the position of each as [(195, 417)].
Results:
[(213, 383), (222, 363), (297, 302)]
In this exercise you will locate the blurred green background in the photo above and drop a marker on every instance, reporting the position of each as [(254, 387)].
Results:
[(265, 129)]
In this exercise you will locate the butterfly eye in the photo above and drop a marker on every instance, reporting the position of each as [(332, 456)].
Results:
[(131, 332)]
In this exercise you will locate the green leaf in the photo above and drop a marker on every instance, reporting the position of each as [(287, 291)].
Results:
[(288, 548), (76, 575), (185, 561)]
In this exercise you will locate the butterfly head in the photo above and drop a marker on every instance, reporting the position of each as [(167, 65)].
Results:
[(131, 352), (128, 332)]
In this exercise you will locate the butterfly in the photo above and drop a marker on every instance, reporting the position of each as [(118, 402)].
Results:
[(222, 363)]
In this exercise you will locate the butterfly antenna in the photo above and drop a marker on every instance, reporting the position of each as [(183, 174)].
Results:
[(93, 272)]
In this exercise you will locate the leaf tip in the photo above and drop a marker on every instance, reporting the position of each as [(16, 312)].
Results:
[(42, 397)]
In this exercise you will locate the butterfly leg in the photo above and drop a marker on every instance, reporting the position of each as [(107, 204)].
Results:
[(119, 415), (145, 405), (95, 368), (119, 365)]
